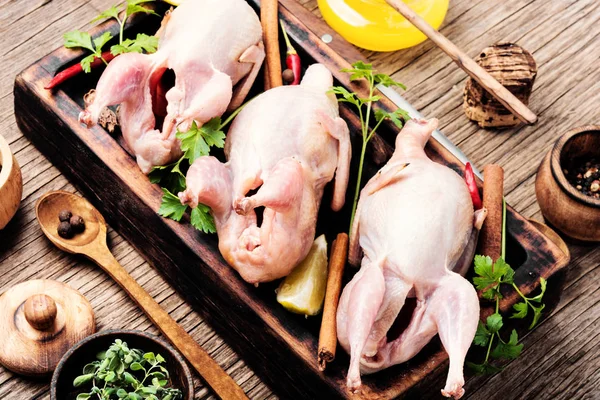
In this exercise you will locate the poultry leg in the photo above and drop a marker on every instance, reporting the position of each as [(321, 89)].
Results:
[(364, 303), (254, 54), (338, 129), (281, 189)]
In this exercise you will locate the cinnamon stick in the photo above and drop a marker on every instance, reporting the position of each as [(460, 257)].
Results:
[(269, 19), (490, 239), (328, 334)]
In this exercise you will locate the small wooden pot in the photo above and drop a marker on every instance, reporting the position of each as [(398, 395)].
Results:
[(11, 184), (568, 210), (72, 363)]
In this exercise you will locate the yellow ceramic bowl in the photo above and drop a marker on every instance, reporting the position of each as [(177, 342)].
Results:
[(11, 184), (374, 25)]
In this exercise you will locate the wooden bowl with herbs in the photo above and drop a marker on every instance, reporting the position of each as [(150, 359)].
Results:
[(122, 364), (11, 184), (567, 185)]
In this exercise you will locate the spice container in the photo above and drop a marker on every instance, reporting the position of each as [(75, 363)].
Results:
[(11, 184), (374, 25), (568, 201), (73, 362)]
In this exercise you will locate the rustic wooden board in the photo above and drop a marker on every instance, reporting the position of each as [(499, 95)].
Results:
[(281, 347)]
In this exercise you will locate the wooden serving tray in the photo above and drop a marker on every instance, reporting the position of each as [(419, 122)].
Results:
[(281, 347)]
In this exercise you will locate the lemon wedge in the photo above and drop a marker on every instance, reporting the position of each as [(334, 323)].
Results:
[(303, 291)]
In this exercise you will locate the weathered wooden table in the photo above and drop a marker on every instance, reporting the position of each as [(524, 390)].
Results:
[(561, 358)]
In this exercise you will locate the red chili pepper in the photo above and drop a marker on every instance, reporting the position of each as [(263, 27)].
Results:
[(76, 69), (472, 185), (292, 59)]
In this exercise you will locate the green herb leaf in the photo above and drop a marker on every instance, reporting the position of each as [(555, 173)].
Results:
[(171, 207), (112, 12), (142, 43), (130, 379), (169, 176), (82, 380), (201, 219), (385, 80), (196, 142), (482, 335), (134, 396), (509, 350), (100, 41), (494, 322), (539, 297), (398, 117), (483, 369), (122, 393), (136, 366), (78, 39), (83, 396), (520, 310), (537, 314), (347, 97), (160, 358), (133, 6)]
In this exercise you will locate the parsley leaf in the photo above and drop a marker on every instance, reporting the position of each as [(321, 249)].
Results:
[(141, 43), (538, 298), (483, 369), (520, 310), (196, 142), (112, 12), (171, 206), (385, 80), (78, 39), (537, 314), (397, 117), (494, 322), (482, 335), (84, 40), (169, 176), (509, 350), (202, 220), (133, 7)]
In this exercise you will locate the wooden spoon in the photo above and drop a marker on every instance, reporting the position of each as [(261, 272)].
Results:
[(92, 244)]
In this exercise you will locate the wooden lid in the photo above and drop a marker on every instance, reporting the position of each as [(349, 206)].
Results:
[(39, 321)]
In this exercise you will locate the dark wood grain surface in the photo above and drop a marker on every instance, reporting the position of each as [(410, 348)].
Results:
[(560, 361)]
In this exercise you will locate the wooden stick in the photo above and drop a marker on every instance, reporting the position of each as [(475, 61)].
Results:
[(328, 334), (269, 19), (490, 239), (476, 72)]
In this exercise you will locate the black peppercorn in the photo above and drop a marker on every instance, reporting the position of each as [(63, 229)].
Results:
[(77, 223), (64, 215), (65, 230)]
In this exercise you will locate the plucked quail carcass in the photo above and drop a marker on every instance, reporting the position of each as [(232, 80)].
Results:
[(282, 149), (215, 49), (417, 228)]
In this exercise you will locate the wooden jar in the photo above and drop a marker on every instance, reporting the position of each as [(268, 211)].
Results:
[(575, 214), (11, 184)]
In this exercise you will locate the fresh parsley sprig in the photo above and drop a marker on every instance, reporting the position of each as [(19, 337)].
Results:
[(84, 40), (141, 43), (195, 142), (361, 70), (488, 280)]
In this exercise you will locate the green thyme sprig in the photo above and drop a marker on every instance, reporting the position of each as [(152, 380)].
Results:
[(361, 70), (124, 373)]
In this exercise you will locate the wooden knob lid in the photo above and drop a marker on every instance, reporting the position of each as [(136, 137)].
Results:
[(39, 321)]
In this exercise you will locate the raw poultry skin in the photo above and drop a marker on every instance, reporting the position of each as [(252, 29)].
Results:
[(211, 45), (285, 146), (416, 225)]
